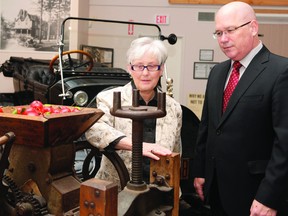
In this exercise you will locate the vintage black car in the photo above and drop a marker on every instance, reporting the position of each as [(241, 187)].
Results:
[(85, 70), (33, 79)]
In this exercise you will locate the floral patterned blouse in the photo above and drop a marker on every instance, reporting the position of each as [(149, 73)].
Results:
[(108, 128)]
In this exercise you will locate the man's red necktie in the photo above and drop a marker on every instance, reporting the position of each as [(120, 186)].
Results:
[(233, 80)]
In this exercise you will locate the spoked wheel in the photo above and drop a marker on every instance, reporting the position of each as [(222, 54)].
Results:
[(87, 161), (71, 63), (92, 160)]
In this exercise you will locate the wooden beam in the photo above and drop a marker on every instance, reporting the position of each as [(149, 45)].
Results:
[(220, 2), (268, 11)]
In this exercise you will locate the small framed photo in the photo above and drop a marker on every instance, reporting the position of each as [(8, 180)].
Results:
[(206, 55), (101, 55), (202, 69)]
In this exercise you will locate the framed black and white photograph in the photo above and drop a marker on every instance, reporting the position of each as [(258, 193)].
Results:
[(101, 55), (206, 55), (30, 25), (202, 69)]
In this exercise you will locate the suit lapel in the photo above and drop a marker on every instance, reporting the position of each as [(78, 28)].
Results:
[(219, 88), (251, 73)]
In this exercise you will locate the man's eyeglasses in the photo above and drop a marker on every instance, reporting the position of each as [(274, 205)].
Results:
[(228, 31), (148, 67)]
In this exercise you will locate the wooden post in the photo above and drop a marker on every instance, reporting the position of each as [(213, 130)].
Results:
[(169, 167), (98, 197)]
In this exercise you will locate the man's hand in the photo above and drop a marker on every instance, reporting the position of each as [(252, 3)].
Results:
[(199, 185), (258, 209)]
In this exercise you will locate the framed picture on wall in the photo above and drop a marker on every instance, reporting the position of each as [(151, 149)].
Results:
[(101, 55), (202, 69), (21, 29), (206, 55)]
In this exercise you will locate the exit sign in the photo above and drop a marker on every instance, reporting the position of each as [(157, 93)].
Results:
[(162, 19)]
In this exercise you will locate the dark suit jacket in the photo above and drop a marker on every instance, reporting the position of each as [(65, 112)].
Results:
[(247, 146)]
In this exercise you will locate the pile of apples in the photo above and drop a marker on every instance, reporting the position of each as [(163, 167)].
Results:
[(37, 108)]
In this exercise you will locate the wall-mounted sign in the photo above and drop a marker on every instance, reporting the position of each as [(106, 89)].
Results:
[(162, 19), (202, 69)]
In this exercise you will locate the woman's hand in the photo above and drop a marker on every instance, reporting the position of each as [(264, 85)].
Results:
[(150, 150), (153, 150)]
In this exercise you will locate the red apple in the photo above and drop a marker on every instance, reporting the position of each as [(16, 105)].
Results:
[(32, 113), (75, 109), (19, 110), (65, 109), (47, 109), (37, 105), (56, 110)]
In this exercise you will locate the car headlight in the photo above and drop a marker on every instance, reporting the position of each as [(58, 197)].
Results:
[(80, 98)]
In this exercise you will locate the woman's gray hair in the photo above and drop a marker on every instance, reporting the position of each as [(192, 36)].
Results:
[(143, 45)]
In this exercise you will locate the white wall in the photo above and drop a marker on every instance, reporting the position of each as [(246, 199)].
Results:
[(192, 34)]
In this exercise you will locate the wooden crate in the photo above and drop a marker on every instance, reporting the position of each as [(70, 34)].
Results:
[(48, 130)]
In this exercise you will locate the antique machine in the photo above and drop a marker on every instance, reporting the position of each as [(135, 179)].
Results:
[(161, 197), (38, 176), (40, 179)]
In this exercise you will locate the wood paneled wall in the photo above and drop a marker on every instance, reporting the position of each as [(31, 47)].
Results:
[(251, 2)]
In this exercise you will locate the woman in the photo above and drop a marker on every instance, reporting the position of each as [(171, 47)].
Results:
[(146, 58)]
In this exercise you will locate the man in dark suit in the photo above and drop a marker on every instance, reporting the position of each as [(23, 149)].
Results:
[(241, 161)]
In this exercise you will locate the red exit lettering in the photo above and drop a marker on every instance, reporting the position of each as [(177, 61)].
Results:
[(162, 19)]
